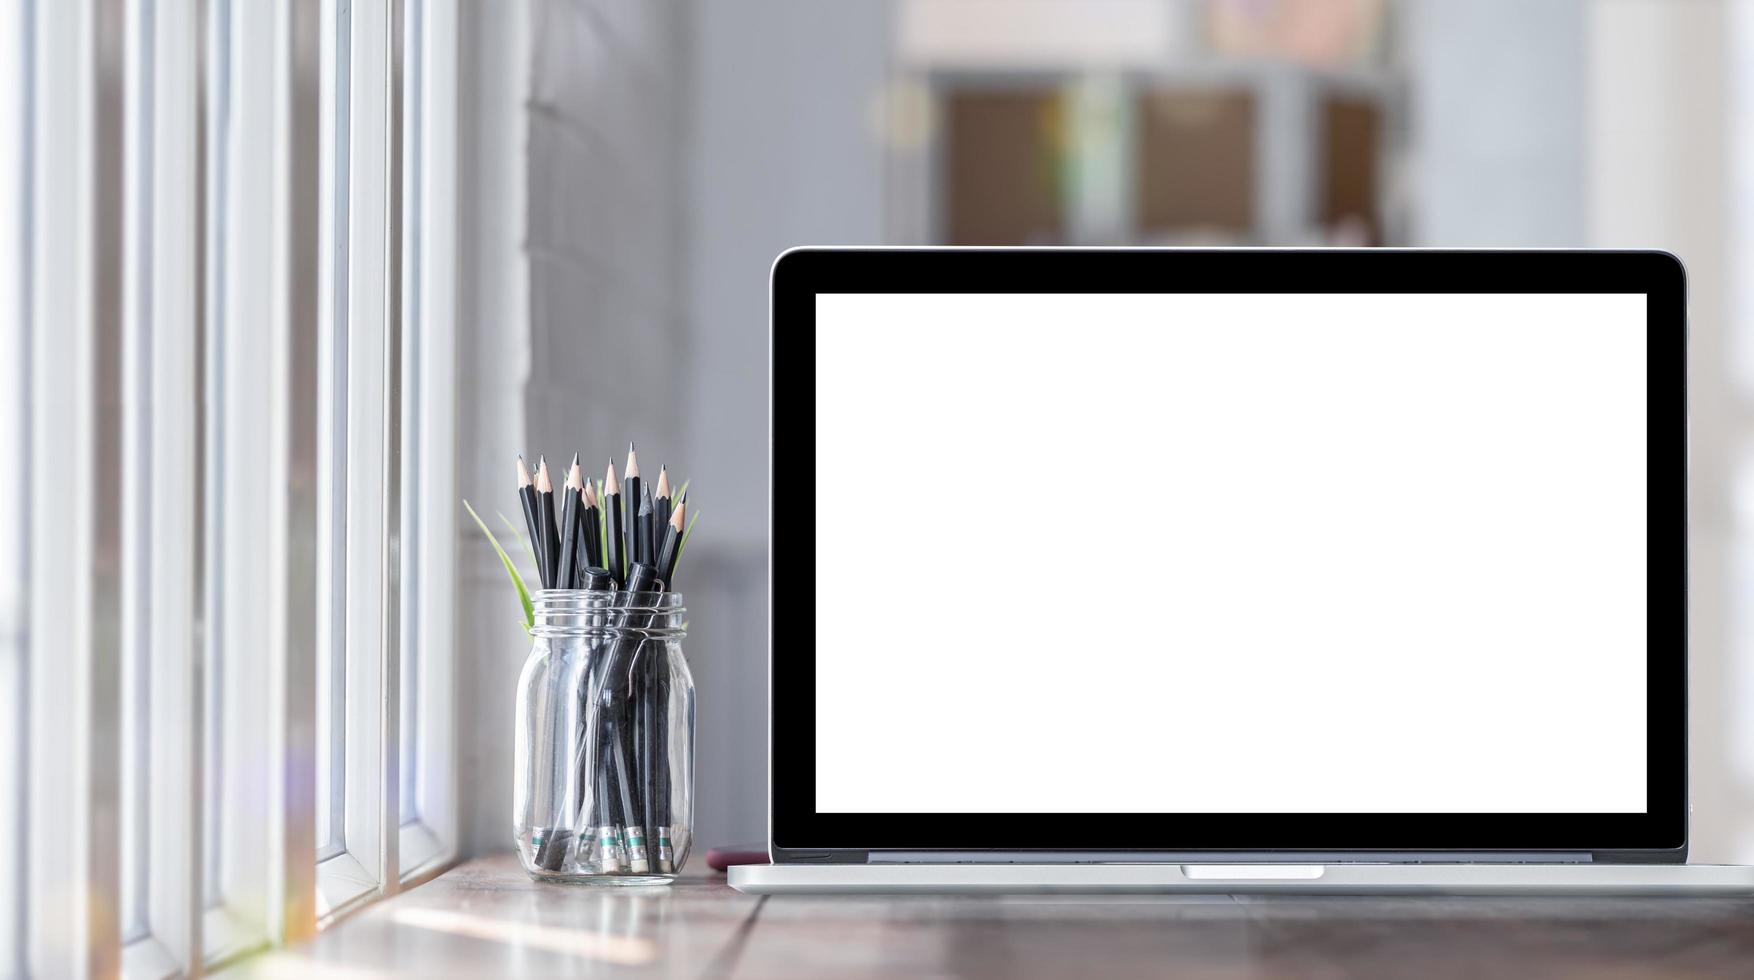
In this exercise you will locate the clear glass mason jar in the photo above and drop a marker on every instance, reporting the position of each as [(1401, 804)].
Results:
[(604, 746)]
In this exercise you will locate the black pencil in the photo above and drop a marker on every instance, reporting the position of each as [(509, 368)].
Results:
[(630, 496), (671, 549), (627, 664), (607, 839), (590, 546), (548, 555), (597, 820), (527, 497), (571, 506), (612, 537), (661, 505), (655, 703), (602, 525), (654, 532), (672, 539), (644, 721), (643, 530)]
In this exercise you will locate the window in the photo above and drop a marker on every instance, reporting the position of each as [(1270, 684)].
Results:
[(385, 449), (226, 581)]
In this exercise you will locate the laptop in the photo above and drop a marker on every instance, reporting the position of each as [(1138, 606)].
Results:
[(1235, 571)]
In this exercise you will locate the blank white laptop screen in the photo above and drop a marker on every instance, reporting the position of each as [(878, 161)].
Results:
[(1230, 553)]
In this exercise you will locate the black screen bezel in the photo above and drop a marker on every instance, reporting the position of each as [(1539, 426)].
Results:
[(798, 832)]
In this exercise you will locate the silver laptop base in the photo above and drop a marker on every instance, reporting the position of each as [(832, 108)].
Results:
[(1246, 879)]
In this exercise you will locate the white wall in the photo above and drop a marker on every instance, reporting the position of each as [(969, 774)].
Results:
[(781, 152), (1605, 123), (1658, 178), (673, 149), (493, 355), (1498, 90)]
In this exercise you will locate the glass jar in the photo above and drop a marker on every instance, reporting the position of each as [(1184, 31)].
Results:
[(604, 745)]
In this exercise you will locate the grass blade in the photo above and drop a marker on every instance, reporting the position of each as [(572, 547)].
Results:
[(510, 569)]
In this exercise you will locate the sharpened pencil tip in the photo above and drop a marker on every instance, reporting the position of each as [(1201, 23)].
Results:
[(677, 518), (610, 484), (575, 477), (632, 462), (523, 472), (663, 481), (543, 483)]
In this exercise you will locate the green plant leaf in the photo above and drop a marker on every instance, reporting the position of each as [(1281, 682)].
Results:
[(510, 569), (520, 536)]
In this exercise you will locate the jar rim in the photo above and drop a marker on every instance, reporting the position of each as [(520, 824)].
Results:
[(567, 599), (605, 613)]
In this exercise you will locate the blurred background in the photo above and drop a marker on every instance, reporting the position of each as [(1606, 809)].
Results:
[(668, 153), (293, 279)]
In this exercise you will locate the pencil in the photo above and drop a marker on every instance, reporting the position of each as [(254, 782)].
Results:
[(548, 555), (596, 820), (670, 550), (656, 705), (633, 834), (626, 667), (570, 506), (661, 505), (612, 536), (646, 723), (527, 497), (590, 541), (602, 526), (643, 530), (630, 495)]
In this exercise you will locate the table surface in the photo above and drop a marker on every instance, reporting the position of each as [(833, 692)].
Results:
[(487, 918)]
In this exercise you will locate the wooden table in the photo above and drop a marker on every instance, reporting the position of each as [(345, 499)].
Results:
[(486, 918)]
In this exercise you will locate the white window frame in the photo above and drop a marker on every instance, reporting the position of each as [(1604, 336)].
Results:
[(71, 797), (396, 349), (162, 184), (429, 842), (157, 163), (15, 64), (248, 334)]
